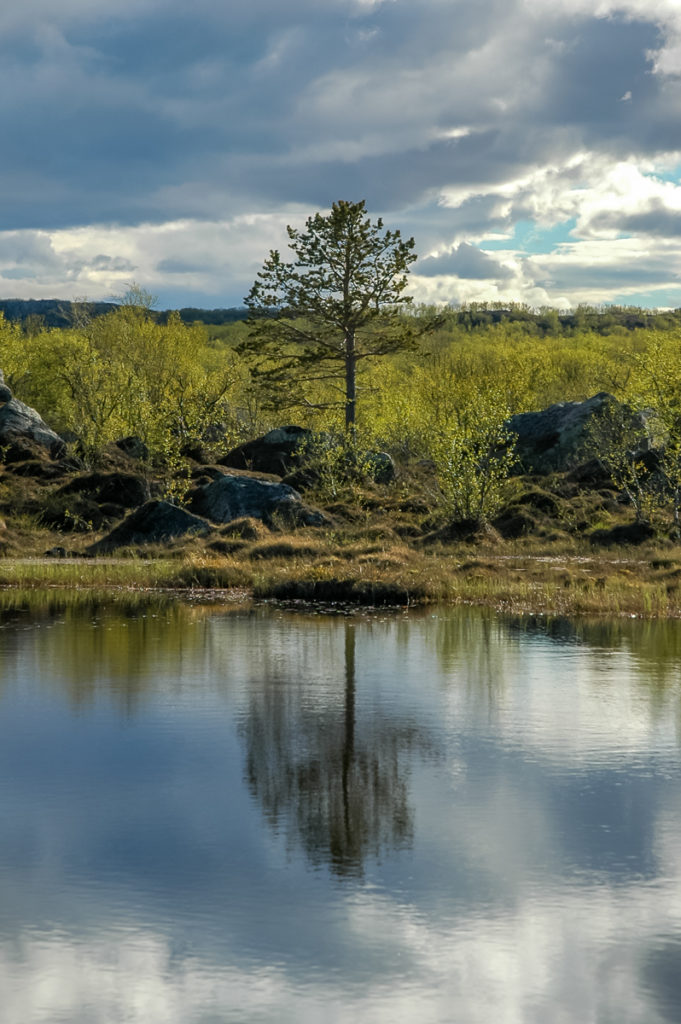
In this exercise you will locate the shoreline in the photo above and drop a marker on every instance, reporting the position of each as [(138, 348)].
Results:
[(621, 583)]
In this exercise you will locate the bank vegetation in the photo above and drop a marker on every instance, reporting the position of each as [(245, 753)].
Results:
[(462, 520)]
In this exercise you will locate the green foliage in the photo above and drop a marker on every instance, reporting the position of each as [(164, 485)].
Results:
[(123, 374), (337, 463), (473, 455), (616, 439), (655, 386), (177, 386)]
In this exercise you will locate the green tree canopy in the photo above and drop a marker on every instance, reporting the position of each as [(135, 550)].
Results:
[(339, 301)]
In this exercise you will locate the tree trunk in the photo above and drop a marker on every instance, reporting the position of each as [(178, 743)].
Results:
[(350, 384), (349, 738)]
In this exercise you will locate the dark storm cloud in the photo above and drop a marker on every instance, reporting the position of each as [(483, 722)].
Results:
[(440, 113), (116, 110), (179, 266), (654, 219), (466, 261), (599, 62)]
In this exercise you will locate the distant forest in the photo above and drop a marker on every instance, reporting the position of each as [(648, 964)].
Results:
[(37, 314)]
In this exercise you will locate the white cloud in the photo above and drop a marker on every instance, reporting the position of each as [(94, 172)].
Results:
[(544, 110), (517, 966), (100, 261)]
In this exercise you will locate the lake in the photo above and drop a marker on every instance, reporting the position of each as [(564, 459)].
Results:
[(222, 813)]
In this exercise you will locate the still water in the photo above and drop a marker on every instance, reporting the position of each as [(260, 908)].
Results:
[(222, 814)]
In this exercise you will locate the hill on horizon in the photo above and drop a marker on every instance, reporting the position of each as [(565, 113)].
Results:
[(59, 312)]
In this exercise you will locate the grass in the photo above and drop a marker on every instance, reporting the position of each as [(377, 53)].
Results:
[(514, 577), (129, 573), (382, 548)]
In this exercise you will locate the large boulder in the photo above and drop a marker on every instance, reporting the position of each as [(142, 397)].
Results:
[(558, 438), (153, 523), (127, 490), (93, 500), (232, 496), (279, 451), (20, 422), (296, 454)]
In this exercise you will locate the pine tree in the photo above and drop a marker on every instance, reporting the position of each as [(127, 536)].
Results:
[(338, 302)]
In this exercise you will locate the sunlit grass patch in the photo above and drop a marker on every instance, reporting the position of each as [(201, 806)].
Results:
[(48, 572)]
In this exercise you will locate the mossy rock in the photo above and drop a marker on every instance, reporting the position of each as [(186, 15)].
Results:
[(73, 513), (125, 490), (627, 533), (539, 499), (513, 523)]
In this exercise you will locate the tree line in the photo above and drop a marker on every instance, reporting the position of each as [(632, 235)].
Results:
[(332, 342)]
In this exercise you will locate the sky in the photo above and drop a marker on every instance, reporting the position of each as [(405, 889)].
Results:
[(532, 148)]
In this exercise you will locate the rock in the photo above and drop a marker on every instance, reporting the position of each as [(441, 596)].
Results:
[(133, 447), (558, 438), (630, 533), (154, 522), (125, 490), (231, 497), (93, 501), (21, 449), (292, 452), (56, 552), (279, 451), (19, 422), (591, 473), (5, 392), (381, 467)]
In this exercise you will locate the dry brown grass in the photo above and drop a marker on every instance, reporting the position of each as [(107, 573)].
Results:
[(384, 550), (637, 582)]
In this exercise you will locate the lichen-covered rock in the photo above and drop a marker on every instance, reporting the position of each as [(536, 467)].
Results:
[(154, 522), (558, 438), (231, 497), (19, 422)]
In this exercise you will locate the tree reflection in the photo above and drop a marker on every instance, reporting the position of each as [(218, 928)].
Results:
[(333, 778), (102, 646)]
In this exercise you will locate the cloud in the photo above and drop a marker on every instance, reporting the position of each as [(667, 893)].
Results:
[(655, 220), (465, 261), (206, 260), (126, 898), (519, 965), (151, 114)]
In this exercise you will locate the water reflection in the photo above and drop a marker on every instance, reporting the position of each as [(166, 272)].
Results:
[(655, 642), (332, 775), (98, 645), (238, 814)]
